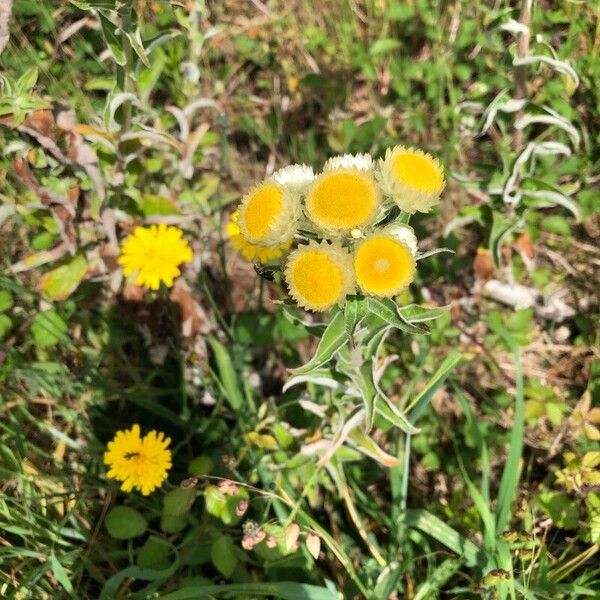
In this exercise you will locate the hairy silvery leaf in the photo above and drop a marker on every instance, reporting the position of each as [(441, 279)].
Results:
[(557, 65), (334, 337), (552, 118)]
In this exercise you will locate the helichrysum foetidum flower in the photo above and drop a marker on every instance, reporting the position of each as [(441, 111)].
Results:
[(269, 214), (383, 265), (153, 254), (341, 200), (294, 178), (362, 162), (414, 179), (140, 463), (249, 251), (319, 276)]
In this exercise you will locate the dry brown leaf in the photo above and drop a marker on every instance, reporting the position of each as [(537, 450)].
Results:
[(483, 265)]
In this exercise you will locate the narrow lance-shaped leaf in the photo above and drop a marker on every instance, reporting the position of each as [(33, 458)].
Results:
[(437, 380), (387, 310), (334, 337), (228, 379)]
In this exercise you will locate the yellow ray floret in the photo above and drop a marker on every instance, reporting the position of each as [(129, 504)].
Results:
[(383, 265), (249, 251), (140, 463), (342, 199), (269, 214), (319, 276), (154, 254), (414, 179)]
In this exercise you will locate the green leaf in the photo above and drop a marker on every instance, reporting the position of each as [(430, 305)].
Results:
[(334, 337), (223, 555), (114, 42), (414, 313), (6, 301), (5, 325), (48, 328), (125, 523), (179, 501), (228, 379), (172, 524), (61, 282), (286, 590), (511, 473), (390, 412), (560, 508), (419, 404), (61, 575), (152, 205), (26, 82), (384, 46), (200, 466), (154, 553), (354, 311), (556, 224), (438, 578), (436, 528), (135, 39), (214, 500), (387, 310)]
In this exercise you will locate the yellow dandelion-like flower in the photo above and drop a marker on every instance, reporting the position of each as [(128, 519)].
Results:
[(269, 214), (138, 462), (249, 251), (383, 265), (154, 254), (319, 276), (414, 179), (341, 200)]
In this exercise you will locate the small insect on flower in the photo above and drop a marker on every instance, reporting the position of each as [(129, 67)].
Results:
[(154, 254), (319, 276), (269, 214), (250, 251), (140, 463), (341, 200), (414, 179), (384, 265)]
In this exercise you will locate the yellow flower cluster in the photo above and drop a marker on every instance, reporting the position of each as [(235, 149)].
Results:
[(337, 218), (140, 463)]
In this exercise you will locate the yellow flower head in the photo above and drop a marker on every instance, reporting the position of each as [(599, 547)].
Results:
[(383, 265), (269, 214), (319, 276), (138, 462), (154, 254), (342, 199), (414, 179), (249, 251)]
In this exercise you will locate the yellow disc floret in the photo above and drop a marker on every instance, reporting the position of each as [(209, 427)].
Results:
[(250, 251), (319, 276), (342, 199), (414, 179), (383, 265), (140, 463), (154, 254), (268, 214)]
